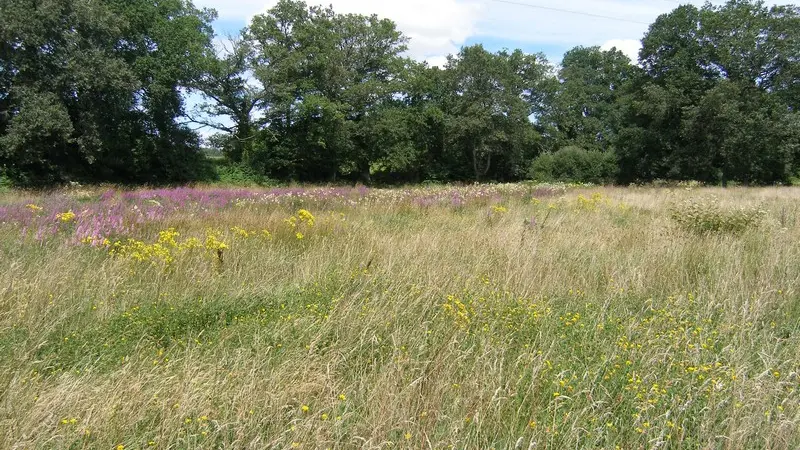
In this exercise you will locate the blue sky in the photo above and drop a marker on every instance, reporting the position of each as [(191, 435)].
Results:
[(440, 27)]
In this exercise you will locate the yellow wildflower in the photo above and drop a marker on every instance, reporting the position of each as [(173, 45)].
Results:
[(65, 217), (306, 216)]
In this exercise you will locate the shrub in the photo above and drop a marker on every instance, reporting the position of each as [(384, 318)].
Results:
[(5, 182), (576, 165), (233, 174), (705, 216)]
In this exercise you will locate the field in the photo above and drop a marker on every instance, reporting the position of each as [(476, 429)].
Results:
[(487, 316)]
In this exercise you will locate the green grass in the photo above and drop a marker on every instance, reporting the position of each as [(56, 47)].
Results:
[(608, 325)]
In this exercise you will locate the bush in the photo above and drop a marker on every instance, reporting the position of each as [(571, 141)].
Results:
[(705, 216), (575, 165), (233, 174), (5, 182)]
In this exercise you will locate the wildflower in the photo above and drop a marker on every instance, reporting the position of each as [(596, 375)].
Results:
[(295, 445), (120, 447), (306, 216), (213, 241), (556, 394), (407, 435), (239, 231), (342, 397), (33, 207), (304, 408), (324, 416), (65, 217), (299, 235), (167, 237)]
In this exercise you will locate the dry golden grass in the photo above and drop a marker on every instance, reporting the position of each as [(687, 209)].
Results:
[(602, 325)]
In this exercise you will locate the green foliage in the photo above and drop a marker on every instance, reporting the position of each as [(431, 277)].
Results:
[(228, 93), (91, 90), (582, 108), (575, 165), (106, 344), (5, 182), (95, 91), (232, 174), (706, 216), (327, 75), (713, 104), (488, 110)]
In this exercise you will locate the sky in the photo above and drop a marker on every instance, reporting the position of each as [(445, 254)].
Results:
[(438, 28)]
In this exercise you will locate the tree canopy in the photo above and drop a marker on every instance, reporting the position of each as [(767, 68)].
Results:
[(96, 90)]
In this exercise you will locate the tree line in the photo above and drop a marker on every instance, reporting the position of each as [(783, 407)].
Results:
[(96, 90)]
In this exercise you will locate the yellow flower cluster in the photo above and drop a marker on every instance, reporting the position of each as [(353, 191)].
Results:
[(214, 241), (303, 218), (65, 217), (306, 216), (166, 248), (142, 252), (461, 313), (488, 312), (591, 203)]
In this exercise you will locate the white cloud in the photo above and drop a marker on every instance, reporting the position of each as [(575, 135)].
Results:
[(436, 27), (630, 47), (233, 9), (440, 27), (437, 61)]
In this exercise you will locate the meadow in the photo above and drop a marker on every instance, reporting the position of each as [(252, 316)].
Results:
[(484, 316)]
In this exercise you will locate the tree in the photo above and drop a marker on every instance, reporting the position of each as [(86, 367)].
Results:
[(714, 100), (330, 79), (230, 93), (739, 132), (91, 90), (584, 109), (489, 108)]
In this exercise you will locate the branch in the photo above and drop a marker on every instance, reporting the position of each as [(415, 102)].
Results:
[(207, 123)]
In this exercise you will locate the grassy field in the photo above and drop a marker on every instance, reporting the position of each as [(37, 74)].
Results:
[(506, 316)]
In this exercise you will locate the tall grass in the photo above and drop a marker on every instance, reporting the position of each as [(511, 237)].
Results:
[(527, 319)]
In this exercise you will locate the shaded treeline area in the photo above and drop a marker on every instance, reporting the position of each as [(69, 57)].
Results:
[(96, 91)]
